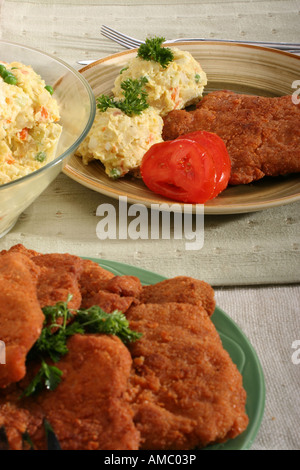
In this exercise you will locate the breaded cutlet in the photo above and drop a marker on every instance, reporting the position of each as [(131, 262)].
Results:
[(262, 134), (88, 410), (186, 391), (180, 289), (21, 317)]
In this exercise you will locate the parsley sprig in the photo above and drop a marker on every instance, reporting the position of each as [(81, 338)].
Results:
[(152, 50), (135, 97), (47, 377), (60, 323)]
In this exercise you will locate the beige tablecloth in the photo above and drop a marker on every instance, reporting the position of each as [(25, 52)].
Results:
[(252, 260)]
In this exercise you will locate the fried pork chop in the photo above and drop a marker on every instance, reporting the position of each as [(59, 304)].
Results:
[(19, 248), (92, 277), (101, 287), (89, 410), (58, 279), (62, 274), (262, 134), (187, 392), (175, 388), (181, 289), (21, 317), (116, 293)]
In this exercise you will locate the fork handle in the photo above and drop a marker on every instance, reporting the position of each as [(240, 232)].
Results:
[(275, 45), (88, 62)]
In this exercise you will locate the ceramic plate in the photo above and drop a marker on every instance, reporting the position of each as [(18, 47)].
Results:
[(239, 348), (240, 68)]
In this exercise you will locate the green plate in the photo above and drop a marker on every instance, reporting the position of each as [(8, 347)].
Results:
[(239, 348)]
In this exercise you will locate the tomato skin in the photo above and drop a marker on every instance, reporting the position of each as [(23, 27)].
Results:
[(217, 148), (180, 170)]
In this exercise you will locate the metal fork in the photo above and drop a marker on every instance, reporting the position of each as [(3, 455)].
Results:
[(132, 43)]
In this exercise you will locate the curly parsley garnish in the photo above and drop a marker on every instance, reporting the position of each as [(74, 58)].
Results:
[(60, 323), (123, 70), (135, 98), (153, 50), (47, 377)]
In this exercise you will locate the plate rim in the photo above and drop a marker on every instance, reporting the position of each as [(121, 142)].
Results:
[(209, 210), (218, 209), (256, 420), (183, 43)]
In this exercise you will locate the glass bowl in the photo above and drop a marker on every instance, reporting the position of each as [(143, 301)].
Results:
[(77, 111)]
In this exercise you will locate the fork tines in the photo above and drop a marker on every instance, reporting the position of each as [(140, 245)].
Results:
[(120, 38)]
